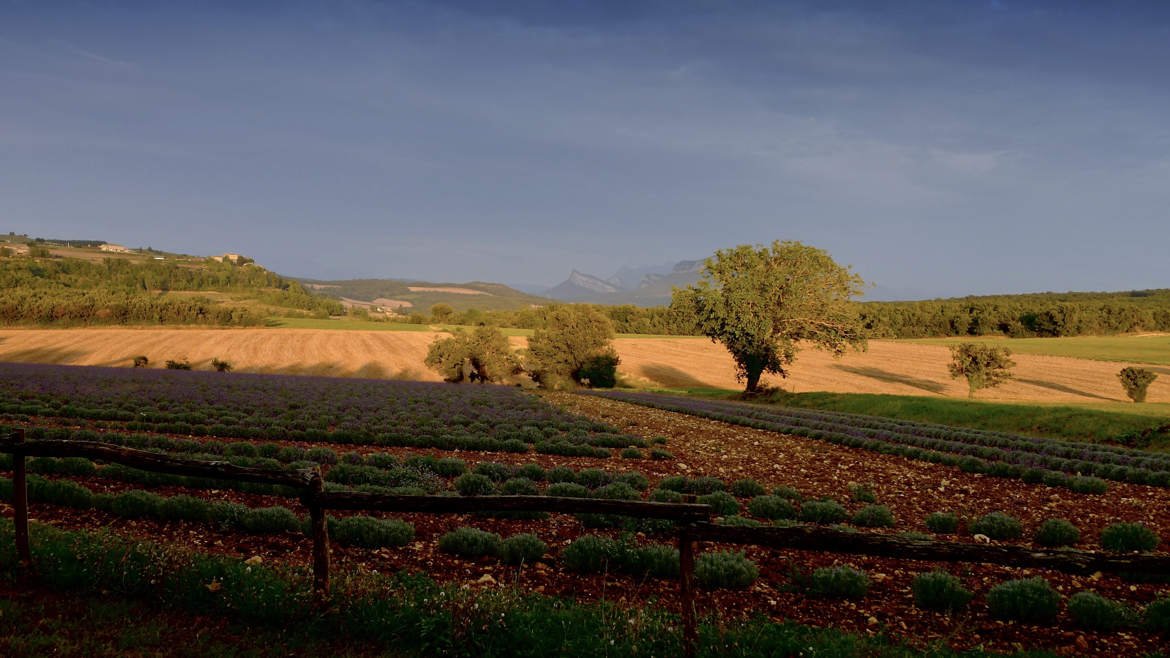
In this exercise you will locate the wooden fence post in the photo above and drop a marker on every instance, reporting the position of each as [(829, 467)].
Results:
[(20, 501), (320, 531), (686, 557)]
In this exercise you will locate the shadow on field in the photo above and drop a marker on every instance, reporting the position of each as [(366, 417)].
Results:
[(1063, 389), (894, 378), (665, 375), (370, 370), (54, 355)]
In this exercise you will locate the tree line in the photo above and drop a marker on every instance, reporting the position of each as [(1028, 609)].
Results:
[(70, 291), (1016, 316)]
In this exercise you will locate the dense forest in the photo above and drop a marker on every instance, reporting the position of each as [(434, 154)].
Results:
[(69, 291), (1039, 314)]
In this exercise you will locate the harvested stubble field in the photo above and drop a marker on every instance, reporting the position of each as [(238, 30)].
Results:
[(911, 490), (888, 367)]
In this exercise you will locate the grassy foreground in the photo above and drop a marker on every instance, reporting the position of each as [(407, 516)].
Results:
[(1152, 349), (407, 615), (1150, 428)]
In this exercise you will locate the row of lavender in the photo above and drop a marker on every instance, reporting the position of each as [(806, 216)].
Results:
[(995, 453), (315, 409)]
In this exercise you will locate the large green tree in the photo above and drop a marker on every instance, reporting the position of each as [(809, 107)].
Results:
[(984, 366), (761, 302), (574, 336), (483, 355)]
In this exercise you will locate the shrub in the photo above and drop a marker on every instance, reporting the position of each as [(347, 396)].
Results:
[(863, 493), (1087, 484), (534, 472), (1030, 600), (245, 449), (617, 491), (747, 488), (630, 453), (178, 365), (996, 525), (1095, 612), (368, 532), (519, 487), (1135, 381), (321, 455), (838, 582), (135, 504), (772, 507), (591, 554), (470, 542), (787, 492), (634, 479), (660, 454), (493, 471), (874, 516), (1057, 532), (736, 520), (474, 484), (220, 365), (1123, 537), (560, 474), (721, 502), (567, 490), (183, 508), (449, 467), (655, 561), (141, 361), (665, 496), (522, 549), (593, 477), (939, 590), (1157, 615), (725, 570), (823, 511), (599, 371), (267, 520), (942, 523)]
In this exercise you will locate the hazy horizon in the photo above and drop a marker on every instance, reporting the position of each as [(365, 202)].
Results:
[(952, 148)]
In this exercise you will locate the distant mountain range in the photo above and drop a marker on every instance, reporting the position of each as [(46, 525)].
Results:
[(640, 286)]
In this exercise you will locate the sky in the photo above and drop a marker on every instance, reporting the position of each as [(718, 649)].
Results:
[(939, 147)]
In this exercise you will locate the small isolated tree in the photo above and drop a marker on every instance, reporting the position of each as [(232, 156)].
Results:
[(442, 312), (983, 366), (1136, 381), (574, 336), (598, 371), (761, 301), (484, 355), (141, 361), (221, 365)]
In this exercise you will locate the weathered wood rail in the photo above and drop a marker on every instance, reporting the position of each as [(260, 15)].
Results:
[(692, 520)]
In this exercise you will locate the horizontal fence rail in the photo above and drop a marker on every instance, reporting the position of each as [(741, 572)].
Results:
[(344, 500), (857, 543), (693, 520), (152, 461)]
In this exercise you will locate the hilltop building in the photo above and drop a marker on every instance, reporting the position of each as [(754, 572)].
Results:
[(114, 248)]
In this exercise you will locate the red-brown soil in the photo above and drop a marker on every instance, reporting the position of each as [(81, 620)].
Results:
[(911, 489)]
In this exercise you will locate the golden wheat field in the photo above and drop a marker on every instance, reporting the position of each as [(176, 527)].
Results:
[(887, 367)]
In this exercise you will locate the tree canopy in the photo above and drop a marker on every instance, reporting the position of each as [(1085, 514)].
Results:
[(761, 301), (983, 366), (483, 355), (575, 334)]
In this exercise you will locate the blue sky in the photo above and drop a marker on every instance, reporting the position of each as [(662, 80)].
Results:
[(940, 147)]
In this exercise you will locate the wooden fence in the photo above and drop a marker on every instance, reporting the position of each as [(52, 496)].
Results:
[(692, 519)]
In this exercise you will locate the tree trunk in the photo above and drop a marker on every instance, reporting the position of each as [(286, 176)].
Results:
[(753, 378)]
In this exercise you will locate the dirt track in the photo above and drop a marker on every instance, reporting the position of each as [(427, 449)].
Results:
[(888, 367)]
